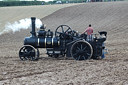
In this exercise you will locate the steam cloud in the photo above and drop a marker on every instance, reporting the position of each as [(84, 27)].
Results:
[(21, 24)]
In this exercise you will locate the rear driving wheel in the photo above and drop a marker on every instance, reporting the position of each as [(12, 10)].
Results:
[(81, 50)]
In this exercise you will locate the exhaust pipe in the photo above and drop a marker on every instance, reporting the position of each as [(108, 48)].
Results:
[(33, 27)]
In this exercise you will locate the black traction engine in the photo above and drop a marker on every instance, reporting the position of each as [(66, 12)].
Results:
[(65, 42)]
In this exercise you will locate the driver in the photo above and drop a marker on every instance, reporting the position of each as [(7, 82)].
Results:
[(89, 32)]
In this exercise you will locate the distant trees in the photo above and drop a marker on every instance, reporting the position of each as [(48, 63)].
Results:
[(69, 1), (36, 2), (11, 0), (19, 3)]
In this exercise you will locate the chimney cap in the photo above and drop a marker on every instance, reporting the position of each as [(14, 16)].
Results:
[(33, 17)]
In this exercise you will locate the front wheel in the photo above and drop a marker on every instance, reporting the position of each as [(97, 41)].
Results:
[(28, 52), (81, 50)]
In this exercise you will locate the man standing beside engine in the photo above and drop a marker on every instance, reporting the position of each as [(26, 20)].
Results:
[(89, 32)]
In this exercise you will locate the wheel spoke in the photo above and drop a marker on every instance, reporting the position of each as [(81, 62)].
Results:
[(22, 58), (21, 53), (59, 32), (78, 48), (67, 30), (79, 57), (75, 54), (84, 57), (88, 54), (32, 53), (81, 46), (32, 58), (62, 28), (84, 48)]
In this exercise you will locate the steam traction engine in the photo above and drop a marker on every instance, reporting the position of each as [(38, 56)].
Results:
[(65, 42)]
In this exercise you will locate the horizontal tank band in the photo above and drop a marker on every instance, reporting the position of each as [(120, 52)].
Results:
[(52, 42), (38, 41), (58, 42), (45, 42)]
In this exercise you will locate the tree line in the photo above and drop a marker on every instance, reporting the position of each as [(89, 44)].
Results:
[(20, 3), (35, 2)]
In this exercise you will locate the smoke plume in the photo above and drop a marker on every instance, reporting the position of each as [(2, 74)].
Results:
[(21, 24)]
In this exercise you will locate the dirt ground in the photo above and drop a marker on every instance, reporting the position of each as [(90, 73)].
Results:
[(113, 70)]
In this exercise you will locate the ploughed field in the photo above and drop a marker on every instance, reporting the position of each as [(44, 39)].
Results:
[(113, 70)]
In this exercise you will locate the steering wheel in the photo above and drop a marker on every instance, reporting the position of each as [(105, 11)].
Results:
[(63, 30)]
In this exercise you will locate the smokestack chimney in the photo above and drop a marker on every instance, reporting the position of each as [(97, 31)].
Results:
[(33, 27)]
